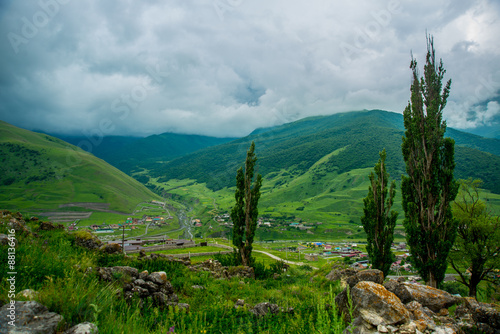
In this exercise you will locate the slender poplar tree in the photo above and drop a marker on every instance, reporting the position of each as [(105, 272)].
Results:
[(245, 212), (378, 219), (429, 187)]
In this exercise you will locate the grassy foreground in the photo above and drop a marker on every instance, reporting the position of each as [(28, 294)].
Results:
[(53, 265)]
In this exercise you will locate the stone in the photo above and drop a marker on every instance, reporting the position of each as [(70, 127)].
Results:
[(28, 294), (265, 308), (112, 273), (239, 303), (432, 298), (159, 277), (340, 274), (378, 306), (368, 275), (397, 288), (359, 326), (83, 328), (482, 313), (419, 314), (31, 317)]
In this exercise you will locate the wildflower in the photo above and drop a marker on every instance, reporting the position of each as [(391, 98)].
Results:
[(172, 329)]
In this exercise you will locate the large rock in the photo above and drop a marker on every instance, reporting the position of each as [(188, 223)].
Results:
[(30, 318), (377, 306), (368, 275), (340, 274), (484, 316), (432, 298), (399, 290)]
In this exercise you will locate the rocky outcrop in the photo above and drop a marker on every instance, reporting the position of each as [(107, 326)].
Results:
[(404, 308), (218, 271), (153, 287), (478, 316), (377, 306), (427, 296), (30, 317)]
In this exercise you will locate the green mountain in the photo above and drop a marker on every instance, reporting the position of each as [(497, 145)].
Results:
[(130, 154), (38, 171), (348, 141), (315, 169)]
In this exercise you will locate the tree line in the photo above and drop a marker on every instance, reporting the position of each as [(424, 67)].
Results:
[(439, 229)]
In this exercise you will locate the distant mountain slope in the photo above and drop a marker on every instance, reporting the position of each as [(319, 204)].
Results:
[(356, 136), (129, 153), (38, 171)]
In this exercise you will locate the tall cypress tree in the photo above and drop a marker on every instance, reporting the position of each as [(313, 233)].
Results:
[(429, 187), (245, 212), (378, 219)]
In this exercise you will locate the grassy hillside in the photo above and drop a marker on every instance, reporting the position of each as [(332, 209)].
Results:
[(38, 171), (296, 147), (315, 170), (132, 153)]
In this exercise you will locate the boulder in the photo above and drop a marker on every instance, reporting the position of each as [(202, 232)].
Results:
[(368, 275), (340, 274), (399, 290), (158, 277), (377, 306), (484, 316), (30, 317), (83, 328), (265, 308), (432, 298)]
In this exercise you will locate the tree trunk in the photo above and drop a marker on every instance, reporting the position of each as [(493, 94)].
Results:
[(432, 281)]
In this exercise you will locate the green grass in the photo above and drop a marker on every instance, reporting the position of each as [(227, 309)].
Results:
[(56, 268), (40, 172)]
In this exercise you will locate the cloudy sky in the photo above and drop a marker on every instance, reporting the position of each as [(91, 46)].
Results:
[(226, 67)]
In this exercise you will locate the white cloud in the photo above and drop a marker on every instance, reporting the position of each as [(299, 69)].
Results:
[(151, 67)]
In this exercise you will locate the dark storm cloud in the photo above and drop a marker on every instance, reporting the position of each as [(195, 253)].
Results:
[(223, 68)]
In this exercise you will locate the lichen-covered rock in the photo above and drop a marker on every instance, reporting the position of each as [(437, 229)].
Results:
[(159, 277), (377, 306), (399, 290), (30, 317), (484, 316), (432, 298)]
